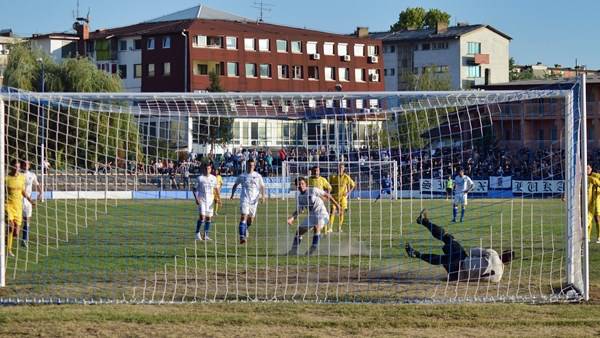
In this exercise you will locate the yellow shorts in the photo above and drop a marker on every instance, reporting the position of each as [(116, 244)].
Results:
[(343, 202), (14, 214)]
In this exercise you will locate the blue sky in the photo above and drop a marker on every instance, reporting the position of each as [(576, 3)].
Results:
[(547, 31)]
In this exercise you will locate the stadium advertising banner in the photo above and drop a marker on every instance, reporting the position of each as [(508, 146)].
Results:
[(538, 187), (437, 185), (500, 182)]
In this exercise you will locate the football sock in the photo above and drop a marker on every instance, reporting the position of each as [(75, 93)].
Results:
[(206, 228), (25, 230), (242, 230), (315, 240)]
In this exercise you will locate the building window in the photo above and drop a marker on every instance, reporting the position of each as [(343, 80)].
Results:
[(249, 44), (441, 69), (372, 50), (298, 72), (151, 71), (392, 49), (137, 44), (167, 69), (265, 70), (330, 74), (231, 42), (311, 47), (203, 41), (359, 104), (373, 75), (328, 48), (344, 74), (474, 71), (283, 71), (313, 72), (150, 43), (342, 49), (359, 50), (137, 71), (359, 75), (123, 71), (263, 45), (233, 69), (385, 72), (425, 46), (282, 46), (392, 71), (250, 70), (166, 42), (201, 69), (473, 48), (297, 47), (123, 45), (440, 45)]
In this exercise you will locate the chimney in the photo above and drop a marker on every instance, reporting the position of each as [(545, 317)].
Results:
[(83, 33), (362, 32), (441, 27)]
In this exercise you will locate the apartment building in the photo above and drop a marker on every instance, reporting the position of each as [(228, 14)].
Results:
[(177, 53), (468, 55)]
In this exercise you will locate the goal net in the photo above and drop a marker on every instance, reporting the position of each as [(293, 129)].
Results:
[(116, 219)]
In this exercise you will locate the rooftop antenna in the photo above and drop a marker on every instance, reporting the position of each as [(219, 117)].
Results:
[(79, 18), (262, 7)]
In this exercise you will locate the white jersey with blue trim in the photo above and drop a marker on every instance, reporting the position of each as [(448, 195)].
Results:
[(462, 184)]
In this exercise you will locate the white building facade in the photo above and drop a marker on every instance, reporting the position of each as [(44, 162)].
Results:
[(468, 55)]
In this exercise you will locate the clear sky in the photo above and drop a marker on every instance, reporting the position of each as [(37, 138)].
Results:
[(547, 31)]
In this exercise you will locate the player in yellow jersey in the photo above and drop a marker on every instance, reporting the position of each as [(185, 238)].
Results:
[(317, 181), (15, 192), (218, 203), (593, 203), (341, 187)]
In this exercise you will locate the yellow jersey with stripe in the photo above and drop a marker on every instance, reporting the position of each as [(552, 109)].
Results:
[(341, 185), (15, 185), (319, 182)]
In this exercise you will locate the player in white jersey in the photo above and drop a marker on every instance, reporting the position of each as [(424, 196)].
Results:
[(310, 199), (205, 198), (253, 188), (31, 181), (476, 264), (462, 186)]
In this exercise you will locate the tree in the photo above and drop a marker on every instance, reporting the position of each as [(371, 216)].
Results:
[(418, 18), (75, 137), (218, 129), (434, 16), (515, 75)]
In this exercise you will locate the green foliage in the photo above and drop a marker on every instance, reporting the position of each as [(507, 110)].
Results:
[(74, 137), (434, 16), (514, 75), (218, 129), (418, 18)]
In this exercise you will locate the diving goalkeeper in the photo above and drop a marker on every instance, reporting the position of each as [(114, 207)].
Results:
[(477, 264)]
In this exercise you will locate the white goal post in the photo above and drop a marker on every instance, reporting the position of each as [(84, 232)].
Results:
[(118, 222)]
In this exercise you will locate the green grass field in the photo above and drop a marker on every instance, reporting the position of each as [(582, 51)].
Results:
[(145, 251)]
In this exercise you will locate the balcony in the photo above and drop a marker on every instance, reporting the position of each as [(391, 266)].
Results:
[(481, 59)]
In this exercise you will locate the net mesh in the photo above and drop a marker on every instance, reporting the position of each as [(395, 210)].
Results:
[(116, 218)]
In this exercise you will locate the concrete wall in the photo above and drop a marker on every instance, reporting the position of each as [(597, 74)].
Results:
[(130, 57), (493, 44), (441, 57)]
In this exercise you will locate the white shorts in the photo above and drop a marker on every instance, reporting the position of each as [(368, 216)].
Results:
[(206, 208), (460, 199), (27, 209), (248, 208), (315, 220)]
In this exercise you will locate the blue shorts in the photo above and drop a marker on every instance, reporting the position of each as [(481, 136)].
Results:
[(386, 191)]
